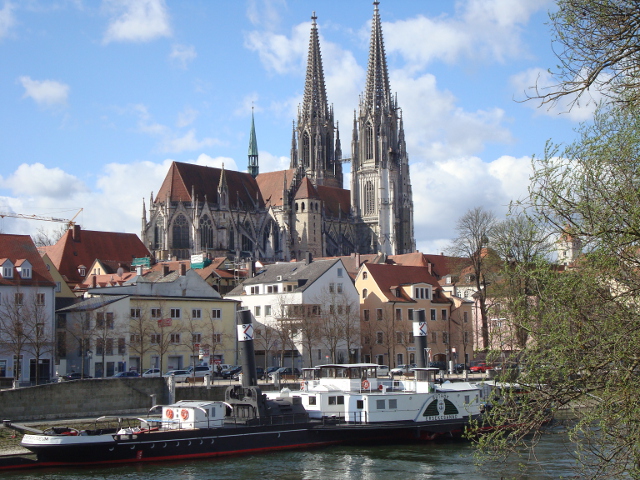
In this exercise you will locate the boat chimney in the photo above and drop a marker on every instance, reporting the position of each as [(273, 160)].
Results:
[(245, 345), (420, 334)]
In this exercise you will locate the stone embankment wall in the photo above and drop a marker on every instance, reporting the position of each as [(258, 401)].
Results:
[(96, 397)]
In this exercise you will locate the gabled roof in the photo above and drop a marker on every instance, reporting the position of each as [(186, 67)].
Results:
[(389, 277), (93, 303), (182, 177), (300, 272), (82, 247), (271, 185), (21, 247)]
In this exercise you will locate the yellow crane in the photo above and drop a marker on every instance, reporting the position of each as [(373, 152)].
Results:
[(70, 223)]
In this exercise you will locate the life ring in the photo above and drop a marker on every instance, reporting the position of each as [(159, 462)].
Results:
[(184, 414), (380, 387), (169, 414), (303, 385), (366, 384)]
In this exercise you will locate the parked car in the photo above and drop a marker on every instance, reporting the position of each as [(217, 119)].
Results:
[(230, 372), (403, 369), (460, 367), (180, 375), (269, 371), (383, 370), (259, 373), (130, 374), (285, 371), (480, 367), (152, 372), (438, 365), (220, 367), (201, 371), (75, 376)]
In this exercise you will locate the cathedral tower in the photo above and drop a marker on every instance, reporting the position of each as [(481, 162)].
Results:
[(253, 168), (380, 185), (315, 149)]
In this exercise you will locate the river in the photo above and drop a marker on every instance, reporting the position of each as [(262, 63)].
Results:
[(436, 460)]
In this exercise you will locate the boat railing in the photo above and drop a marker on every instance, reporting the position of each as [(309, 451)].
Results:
[(283, 419)]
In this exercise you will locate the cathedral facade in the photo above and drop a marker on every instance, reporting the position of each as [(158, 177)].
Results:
[(285, 214)]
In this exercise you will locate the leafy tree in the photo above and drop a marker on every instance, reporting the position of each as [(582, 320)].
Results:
[(582, 322)]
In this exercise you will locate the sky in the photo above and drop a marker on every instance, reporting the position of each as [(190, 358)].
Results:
[(99, 97)]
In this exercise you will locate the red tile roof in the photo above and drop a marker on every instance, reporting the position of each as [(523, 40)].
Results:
[(306, 190), (337, 201), (271, 185), (182, 177), (88, 245), (21, 247), (387, 277)]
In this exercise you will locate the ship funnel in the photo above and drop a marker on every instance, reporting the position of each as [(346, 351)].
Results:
[(420, 334), (245, 344)]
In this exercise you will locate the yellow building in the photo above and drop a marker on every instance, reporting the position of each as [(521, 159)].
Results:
[(391, 297)]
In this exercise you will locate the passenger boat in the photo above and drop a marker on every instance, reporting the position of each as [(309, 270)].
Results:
[(335, 404)]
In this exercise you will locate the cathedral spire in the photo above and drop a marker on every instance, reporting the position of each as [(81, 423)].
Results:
[(314, 103), (253, 149), (294, 147), (377, 92)]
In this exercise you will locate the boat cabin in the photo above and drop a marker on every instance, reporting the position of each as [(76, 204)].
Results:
[(193, 414)]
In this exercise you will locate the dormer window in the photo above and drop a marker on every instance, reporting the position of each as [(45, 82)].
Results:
[(7, 268), (82, 270), (24, 269), (421, 293)]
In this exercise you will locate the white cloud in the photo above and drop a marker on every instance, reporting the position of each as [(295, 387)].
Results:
[(480, 30), (7, 20), (207, 161), (444, 191), (537, 81), (39, 181), (279, 53), (181, 55), (136, 20), (45, 92), (186, 143)]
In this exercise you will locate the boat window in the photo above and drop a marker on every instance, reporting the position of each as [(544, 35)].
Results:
[(341, 400), (393, 403), (360, 404), (380, 404), (312, 400), (332, 400)]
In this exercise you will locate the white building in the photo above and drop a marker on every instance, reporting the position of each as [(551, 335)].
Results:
[(307, 313), (27, 307)]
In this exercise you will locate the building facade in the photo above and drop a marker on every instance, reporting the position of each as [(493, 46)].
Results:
[(285, 214)]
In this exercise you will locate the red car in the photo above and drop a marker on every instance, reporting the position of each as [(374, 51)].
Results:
[(480, 367)]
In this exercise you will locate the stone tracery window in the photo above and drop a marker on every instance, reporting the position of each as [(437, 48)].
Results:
[(206, 232), (369, 198), (181, 232)]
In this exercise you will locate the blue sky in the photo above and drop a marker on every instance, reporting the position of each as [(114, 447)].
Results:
[(98, 97)]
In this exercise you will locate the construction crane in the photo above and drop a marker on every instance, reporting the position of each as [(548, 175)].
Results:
[(70, 223)]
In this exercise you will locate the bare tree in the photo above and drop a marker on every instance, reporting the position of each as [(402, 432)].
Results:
[(45, 238), (38, 325), (15, 329), (140, 330), (473, 231)]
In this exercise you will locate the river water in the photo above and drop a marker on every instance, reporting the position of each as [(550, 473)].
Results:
[(434, 460)]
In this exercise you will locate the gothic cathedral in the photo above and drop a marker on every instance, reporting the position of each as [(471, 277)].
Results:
[(285, 214)]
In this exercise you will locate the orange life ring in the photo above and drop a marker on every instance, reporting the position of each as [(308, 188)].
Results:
[(184, 413), (303, 385), (169, 414), (366, 384)]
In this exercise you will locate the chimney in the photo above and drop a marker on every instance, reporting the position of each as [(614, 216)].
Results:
[(165, 270), (357, 260), (183, 269), (308, 258), (429, 267), (94, 281), (139, 270), (252, 269), (75, 233)]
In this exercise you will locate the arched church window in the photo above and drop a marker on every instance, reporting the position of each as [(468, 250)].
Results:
[(369, 141), (180, 232), (206, 232), (369, 198), (232, 240), (157, 235), (306, 149), (303, 206)]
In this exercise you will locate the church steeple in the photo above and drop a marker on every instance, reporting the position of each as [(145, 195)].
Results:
[(315, 151), (253, 150), (377, 93)]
